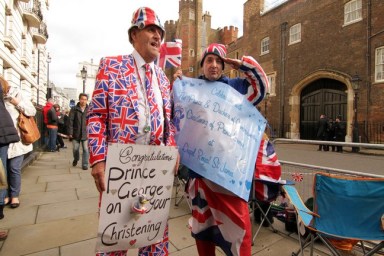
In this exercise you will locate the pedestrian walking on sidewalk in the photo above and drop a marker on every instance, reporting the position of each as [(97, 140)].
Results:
[(8, 134), (131, 103), (16, 102), (46, 133), (77, 131), (60, 124), (52, 126)]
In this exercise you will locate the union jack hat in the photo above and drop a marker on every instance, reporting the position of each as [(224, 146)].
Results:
[(143, 17), (216, 49)]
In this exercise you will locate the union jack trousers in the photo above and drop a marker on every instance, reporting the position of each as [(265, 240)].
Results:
[(220, 217)]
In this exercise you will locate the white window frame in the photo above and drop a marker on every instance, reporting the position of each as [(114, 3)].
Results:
[(191, 52), (295, 34), (353, 12), (191, 14), (264, 45), (190, 69), (272, 84), (379, 64)]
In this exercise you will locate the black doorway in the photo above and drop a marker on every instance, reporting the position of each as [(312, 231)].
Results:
[(323, 96)]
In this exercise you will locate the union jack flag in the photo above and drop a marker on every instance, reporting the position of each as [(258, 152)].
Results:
[(170, 54), (297, 176), (267, 172)]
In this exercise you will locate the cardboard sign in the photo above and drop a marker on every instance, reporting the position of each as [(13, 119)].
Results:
[(218, 132), (135, 206)]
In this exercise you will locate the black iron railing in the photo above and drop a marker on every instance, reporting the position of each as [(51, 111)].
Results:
[(368, 132)]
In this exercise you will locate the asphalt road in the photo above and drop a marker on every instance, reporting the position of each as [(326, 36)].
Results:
[(366, 162)]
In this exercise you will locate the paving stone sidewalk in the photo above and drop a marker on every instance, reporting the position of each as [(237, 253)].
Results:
[(58, 216)]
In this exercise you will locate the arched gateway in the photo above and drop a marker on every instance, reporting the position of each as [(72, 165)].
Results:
[(323, 96), (322, 92)]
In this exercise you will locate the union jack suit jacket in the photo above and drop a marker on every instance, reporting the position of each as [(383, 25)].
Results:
[(113, 111)]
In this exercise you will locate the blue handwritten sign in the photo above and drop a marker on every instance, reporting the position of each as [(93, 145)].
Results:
[(218, 132)]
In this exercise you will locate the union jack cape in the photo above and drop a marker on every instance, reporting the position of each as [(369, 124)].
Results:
[(267, 171)]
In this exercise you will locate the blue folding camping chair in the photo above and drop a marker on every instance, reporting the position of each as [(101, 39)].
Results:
[(271, 190), (344, 207)]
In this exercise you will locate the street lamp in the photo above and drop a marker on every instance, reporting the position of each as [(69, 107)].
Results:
[(84, 76), (355, 80), (49, 88)]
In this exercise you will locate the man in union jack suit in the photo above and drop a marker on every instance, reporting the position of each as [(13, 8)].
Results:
[(219, 217), (131, 103)]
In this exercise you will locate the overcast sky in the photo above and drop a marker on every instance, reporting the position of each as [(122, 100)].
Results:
[(81, 30)]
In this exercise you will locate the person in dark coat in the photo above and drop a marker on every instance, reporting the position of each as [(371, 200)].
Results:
[(60, 124), (52, 126), (77, 130), (322, 132), (339, 131), (331, 133), (8, 134)]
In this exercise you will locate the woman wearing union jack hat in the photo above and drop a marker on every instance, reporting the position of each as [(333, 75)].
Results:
[(219, 217), (131, 104)]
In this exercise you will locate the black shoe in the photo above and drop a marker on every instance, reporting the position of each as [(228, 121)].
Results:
[(15, 205), (85, 168), (1, 212), (74, 163)]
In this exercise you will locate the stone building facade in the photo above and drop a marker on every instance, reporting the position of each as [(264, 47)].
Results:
[(322, 57), (23, 55)]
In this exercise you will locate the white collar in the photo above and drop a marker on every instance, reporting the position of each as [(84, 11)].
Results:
[(140, 61)]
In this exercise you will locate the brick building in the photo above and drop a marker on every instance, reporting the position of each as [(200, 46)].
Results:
[(194, 28), (322, 57)]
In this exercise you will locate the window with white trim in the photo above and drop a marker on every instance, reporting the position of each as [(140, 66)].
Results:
[(191, 14), (352, 12), (379, 65), (295, 34), (191, 52), (264, 46), (272, 84)]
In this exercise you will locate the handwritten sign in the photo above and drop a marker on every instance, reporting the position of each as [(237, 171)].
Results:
[(135, 206), (218, 132)]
